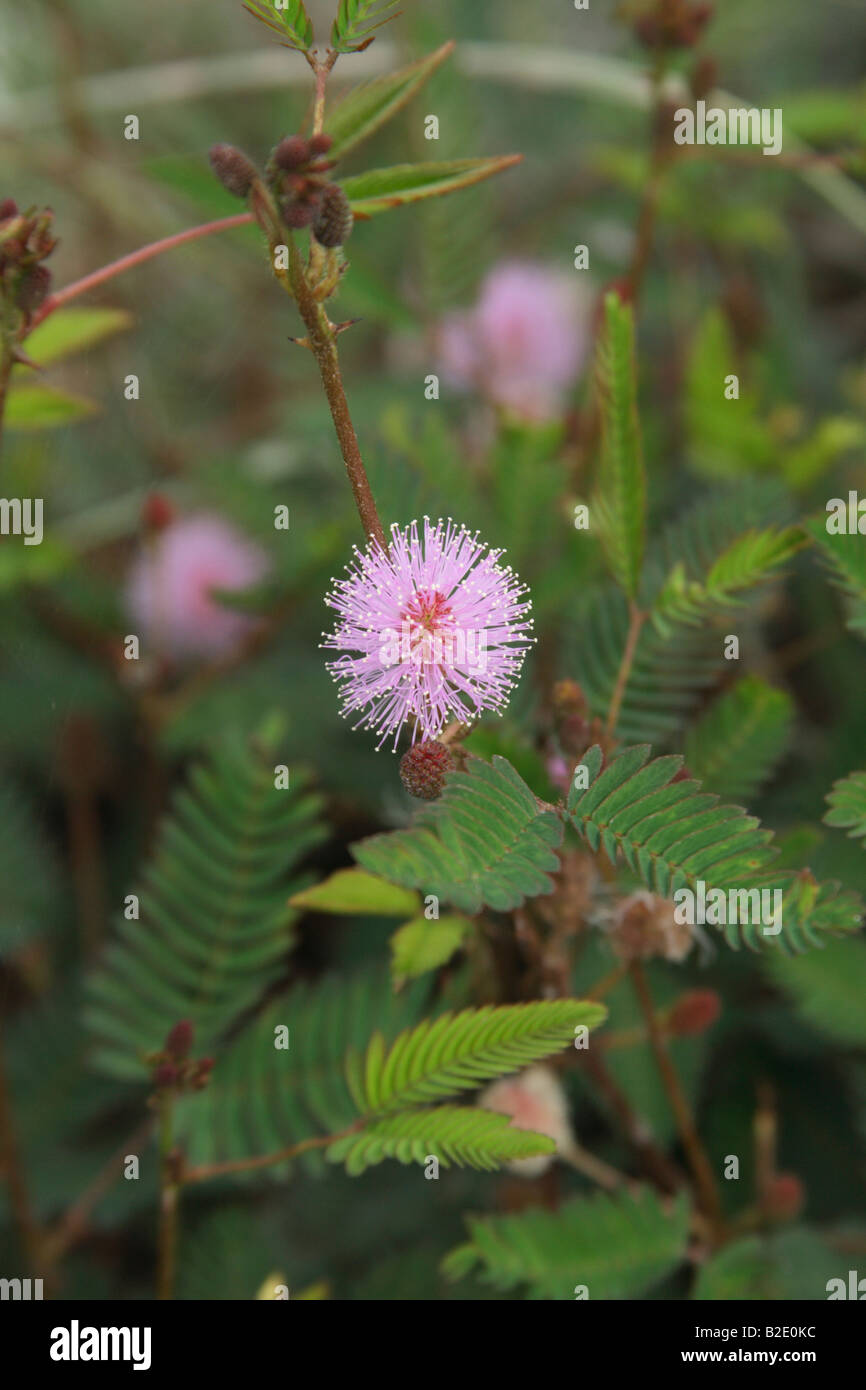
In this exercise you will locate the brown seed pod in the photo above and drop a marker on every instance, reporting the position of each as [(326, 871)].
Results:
[(234, 171)]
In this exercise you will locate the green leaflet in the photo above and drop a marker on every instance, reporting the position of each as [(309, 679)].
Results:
[(460, 1052), (845, 557), (749, 560), (672, 835), (33, 406), (615, 1246), (379, 190), (621, 500), (469, 1138), (792, 1264), (68, 331), (847, 802), (485, 841), (360, 114), (421, 945), (289, 20), (351, 891), (356, 20), (736, 744), (215, 923), (829, 987)]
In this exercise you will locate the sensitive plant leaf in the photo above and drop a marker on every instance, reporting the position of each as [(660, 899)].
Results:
[(361, 113), (486, 840), (725, 438), (379, 190), (792, 1264), (847, 802), (68, 331), (845, 558), (437, 1061), (33, 564), (421, 945), (38, 407), (749, 560), (617, 1247), (356, 20), (673, 835), (289, 19), (736, 744), (352, 891), (214, 922), (621, 501), (461, 1135)]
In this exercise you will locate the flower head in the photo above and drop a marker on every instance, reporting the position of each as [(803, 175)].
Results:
[(523, 343), (433, 628), (170, 587), (535, 1100)]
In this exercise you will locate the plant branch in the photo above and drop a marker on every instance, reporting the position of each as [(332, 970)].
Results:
[(73, 1223), (705, 1182), (6, 360), (14, 1173), (144, 253), (637, 618), (169, 1198), (249, 1165)]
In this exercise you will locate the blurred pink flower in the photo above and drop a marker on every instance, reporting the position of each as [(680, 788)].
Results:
[(535, 1100), (524, 342), (170, 583)]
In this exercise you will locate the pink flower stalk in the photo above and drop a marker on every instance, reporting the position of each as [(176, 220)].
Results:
[(171, 583), (524, 342), (433, 629), (535, 1101)]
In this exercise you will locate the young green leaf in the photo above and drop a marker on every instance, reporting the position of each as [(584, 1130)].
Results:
[(485, 840), (847, 802), (361, 113), (845, 557), (67, 331), (436, 1061), (621, 500), (352, 891), (353, 28), (289, 19), (749, 560), (38, 407), (379, 190), (422, 945)]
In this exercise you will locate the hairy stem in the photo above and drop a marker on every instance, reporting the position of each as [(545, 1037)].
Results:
[(637, 619), (705, 1182), (144, 253), (322, 339)]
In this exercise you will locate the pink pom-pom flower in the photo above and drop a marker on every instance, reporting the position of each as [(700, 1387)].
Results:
[(171, 583), (434, 628), (522, 345), (534, 1100)]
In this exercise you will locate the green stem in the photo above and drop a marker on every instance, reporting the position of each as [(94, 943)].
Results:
[(6, 360), (169, 1198), (637, 619)]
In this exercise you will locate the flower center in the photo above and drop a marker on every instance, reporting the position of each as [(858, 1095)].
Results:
[(429, 616)]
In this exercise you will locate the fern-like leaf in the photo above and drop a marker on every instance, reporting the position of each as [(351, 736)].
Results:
[(672, 835), (621, 502), (847, 802), (845, 557), (436, 1061), (353, 28), (470, 1138), (737, 743), (486, 840), (616, 1246), (748, 561), (215, 923), (289, 20)]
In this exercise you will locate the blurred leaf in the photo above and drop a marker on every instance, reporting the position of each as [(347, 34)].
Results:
[(793, 1264), (422, 945), (848, 805), (32, 564), (845, 556), (621, 501), (40, 407), (725, 437), (351, 891), (812, 457), (749, 560), (738, 741), (383, 189), (67, 331), (829, 987), (360, 114)]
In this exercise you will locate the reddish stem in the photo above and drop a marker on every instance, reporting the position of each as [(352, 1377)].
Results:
[(144, 253)]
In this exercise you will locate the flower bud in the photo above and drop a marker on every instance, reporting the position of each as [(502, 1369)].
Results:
[(292, 153), (645, 925), (785, 1196), (234, 171), (423, 769), (201, 1074), (165, 1075), (320, 144), (535, 1101), (179, 1040), (33, 288), (8, 208), (157, 512), (299, 212), (334, 219)]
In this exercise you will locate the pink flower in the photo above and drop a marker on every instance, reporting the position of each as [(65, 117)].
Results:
[(523, 343), (169, 590), (535, 1100), (433, 629)]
